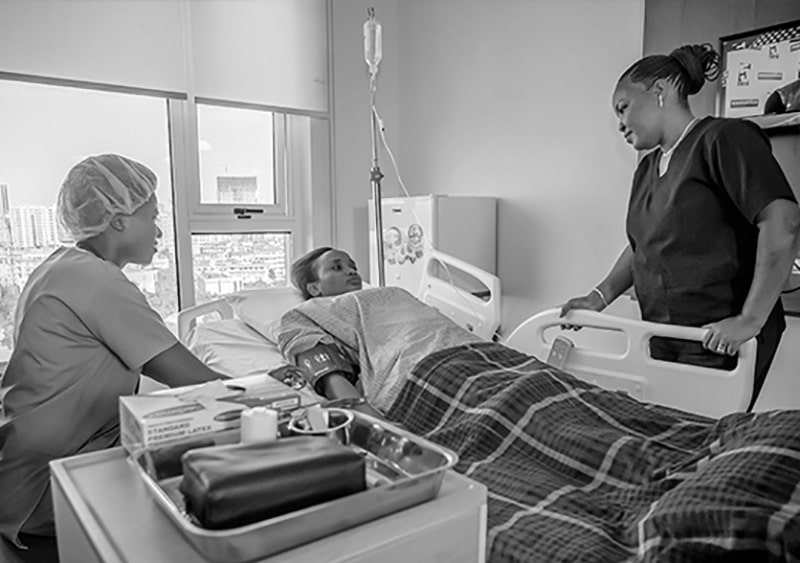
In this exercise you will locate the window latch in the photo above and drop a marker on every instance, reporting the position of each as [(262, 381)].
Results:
[(246, 212)]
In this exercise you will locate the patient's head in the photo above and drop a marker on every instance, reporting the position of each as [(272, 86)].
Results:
[(324, 272)]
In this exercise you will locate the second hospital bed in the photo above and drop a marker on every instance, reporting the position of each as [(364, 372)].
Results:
[(235, 335)]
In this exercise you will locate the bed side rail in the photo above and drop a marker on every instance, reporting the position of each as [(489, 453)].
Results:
[(709, 391), (476, 309), (187, 318)]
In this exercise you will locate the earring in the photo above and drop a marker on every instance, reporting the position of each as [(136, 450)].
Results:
[(660, 101)]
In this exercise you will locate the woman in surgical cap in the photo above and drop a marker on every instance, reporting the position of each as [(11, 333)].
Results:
[(83, 335)]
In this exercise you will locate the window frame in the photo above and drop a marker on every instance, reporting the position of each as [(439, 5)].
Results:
[(281, 207), (293, 195)]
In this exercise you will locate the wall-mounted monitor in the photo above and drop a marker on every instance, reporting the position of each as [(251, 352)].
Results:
[(755, 64)]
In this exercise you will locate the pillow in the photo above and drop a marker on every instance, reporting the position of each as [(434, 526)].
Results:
[(231, 347), (261, 310)]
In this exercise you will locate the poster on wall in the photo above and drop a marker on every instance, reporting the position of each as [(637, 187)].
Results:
[(754, 65)]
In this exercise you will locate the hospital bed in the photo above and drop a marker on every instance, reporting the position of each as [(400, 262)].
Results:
[(235, 335)]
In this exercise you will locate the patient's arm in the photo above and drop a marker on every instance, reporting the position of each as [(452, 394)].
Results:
[(330, 373), (336, 386)]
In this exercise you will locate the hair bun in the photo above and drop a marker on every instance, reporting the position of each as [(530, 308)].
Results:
[(701, 63)]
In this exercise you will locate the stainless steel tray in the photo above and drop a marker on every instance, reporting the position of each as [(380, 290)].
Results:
[(402, 470)]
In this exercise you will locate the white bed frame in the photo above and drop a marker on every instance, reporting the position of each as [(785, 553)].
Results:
[(707, 391)]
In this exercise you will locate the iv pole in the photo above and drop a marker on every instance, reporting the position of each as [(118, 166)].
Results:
[(375, 179), (372, 56)]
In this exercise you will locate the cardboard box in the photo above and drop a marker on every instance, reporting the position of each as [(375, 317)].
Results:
[(184, 412)]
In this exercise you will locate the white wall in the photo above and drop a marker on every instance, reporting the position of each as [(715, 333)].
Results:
[(508, 98)]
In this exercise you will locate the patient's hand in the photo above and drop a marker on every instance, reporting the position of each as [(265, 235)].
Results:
[(290, 375)]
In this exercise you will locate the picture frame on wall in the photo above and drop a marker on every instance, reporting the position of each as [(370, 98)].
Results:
[(754, 65)]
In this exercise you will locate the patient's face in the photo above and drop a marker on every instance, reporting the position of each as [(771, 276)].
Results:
[(337, 273)]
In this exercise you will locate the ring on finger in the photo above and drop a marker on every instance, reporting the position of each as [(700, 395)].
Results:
[(721, 347)]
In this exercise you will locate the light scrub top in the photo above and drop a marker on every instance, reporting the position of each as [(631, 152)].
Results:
[(83, 332)]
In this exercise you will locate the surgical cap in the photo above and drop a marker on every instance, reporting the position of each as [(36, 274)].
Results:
[(100, 187)]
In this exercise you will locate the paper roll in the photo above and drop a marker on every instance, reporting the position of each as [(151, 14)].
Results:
[(259, 424)]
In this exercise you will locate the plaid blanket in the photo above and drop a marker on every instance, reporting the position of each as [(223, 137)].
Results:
[(577, 473)]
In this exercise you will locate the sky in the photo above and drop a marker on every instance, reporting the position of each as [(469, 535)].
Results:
[(45, 130)]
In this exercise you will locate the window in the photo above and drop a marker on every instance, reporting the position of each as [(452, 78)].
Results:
[(257, 169), (225, 262), (236, 155), (45, 131)]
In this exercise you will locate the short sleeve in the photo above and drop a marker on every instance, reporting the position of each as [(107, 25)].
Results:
[(742, 163), (121, 318)]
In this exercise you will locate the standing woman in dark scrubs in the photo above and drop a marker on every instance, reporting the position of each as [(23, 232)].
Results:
[(712, 223)]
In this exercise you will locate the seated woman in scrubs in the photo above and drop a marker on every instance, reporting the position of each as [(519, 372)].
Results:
[(83, 335)]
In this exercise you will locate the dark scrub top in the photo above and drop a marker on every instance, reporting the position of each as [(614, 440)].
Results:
[(82, 334), (692, 230)]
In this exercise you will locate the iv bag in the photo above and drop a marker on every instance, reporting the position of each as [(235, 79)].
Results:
[(373, 42)]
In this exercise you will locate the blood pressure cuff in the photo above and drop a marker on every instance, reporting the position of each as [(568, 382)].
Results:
[(238, 484), (322, 360)]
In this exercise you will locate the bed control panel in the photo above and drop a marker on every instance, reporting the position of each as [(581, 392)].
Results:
[(559, 351)]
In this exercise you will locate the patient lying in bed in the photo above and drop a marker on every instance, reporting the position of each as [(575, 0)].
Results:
[(372, 338), (574, 472), (379, 333)]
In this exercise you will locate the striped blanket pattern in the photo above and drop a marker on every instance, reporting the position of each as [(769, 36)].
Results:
[(577, 473)]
